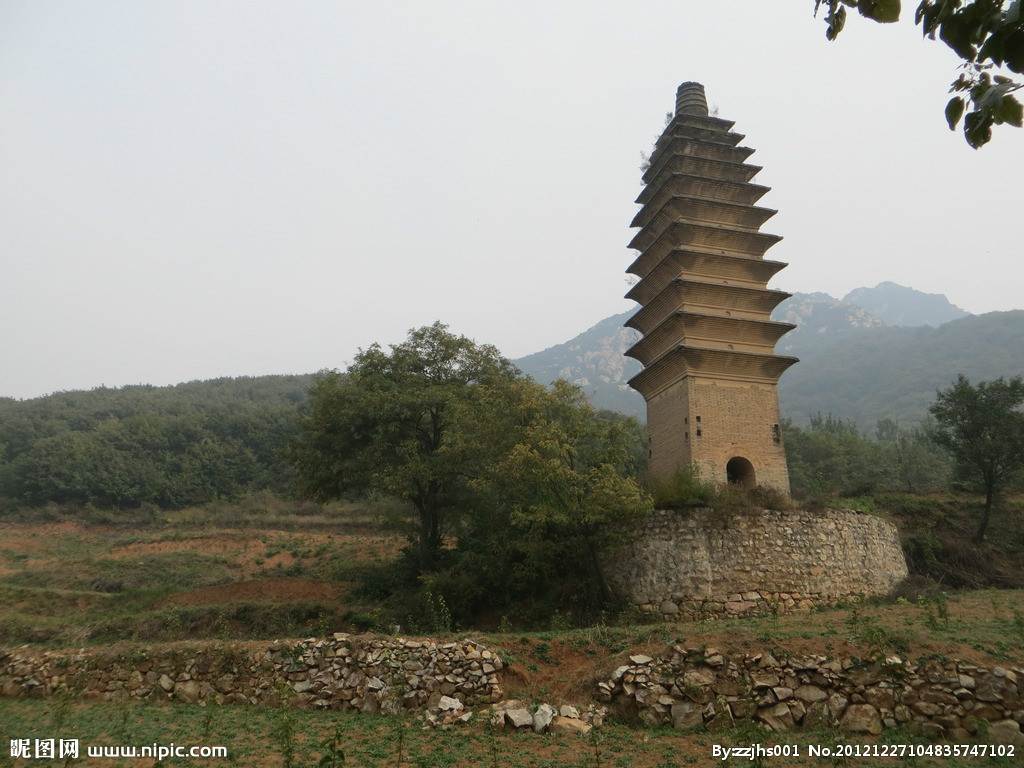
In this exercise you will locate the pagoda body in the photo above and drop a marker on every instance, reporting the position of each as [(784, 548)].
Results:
[(708, 344)]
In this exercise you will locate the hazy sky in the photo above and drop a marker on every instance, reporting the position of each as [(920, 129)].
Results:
[(201, 189)]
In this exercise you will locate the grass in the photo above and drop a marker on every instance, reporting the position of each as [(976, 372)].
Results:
[(99, 580), (266, 737), (86, 577)]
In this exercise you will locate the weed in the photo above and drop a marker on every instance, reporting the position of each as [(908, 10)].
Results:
[(542, 651), (283, 734), (333, 755)]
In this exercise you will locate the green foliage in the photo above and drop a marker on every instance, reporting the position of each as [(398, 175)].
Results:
[(832, 458), (528, 481), (561, 496), (683, 489), (983, 428), (983, 33), (165, 446), (416, 424)]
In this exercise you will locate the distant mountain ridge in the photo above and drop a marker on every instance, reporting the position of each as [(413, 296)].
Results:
[(856, 363), (898, 305)]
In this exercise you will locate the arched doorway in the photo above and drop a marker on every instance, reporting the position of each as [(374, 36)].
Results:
[(740, 472)]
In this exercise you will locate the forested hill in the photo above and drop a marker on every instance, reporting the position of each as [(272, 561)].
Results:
[(168, 446), (885, 372)]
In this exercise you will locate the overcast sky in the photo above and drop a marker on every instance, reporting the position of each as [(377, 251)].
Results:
[(200, 189)]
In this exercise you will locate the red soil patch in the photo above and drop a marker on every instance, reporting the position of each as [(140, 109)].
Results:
[(262, 590)]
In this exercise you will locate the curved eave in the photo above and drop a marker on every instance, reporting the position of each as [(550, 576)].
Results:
[(704, 167), (702, 265), (668, 147), (703, 331), (695, 296), (706, 238), (744, 192), (702, 122), (729, 365), (673, 207)]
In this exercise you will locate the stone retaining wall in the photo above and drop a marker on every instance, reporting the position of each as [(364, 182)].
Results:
[(343, 673), (685, 687), (755, 562), (690, 687)]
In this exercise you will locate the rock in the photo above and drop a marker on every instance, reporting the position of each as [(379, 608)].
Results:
[(560, 724), (698, 677), (926, 708), (519, 718), (777, 717), (448, 704), (640, 659), (728, 688), (992, 687), (166, 683), (837, 705), (669, 608), (569, 711), (861, 718), (817, 715), (187, 691), (686, 715), (542, 718), (762, 680), (1005, 732), (880, 698), (810, 693)]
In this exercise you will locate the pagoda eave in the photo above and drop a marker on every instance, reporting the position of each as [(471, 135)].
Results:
[(698, 330), (715, 364)]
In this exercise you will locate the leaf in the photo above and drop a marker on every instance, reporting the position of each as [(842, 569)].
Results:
[(1014, 51), (882, 11), (1009, 110), (954, 111), (978, 129), (836, 21), (957, 36)]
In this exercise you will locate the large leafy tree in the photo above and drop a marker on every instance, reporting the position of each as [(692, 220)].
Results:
[(983, 428), (986, 34), (569, 485), (417, 423)]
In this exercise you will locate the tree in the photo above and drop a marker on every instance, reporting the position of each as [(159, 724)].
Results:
[(985, 34), (570, 485), (917, 462), (983, 428), (417, 423), (832, 457)]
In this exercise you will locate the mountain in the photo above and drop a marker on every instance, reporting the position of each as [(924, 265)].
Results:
[(898, 305), (854, 364), (594, 361), (818, 316), (895, 372)]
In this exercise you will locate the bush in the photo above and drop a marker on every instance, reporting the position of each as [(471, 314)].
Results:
[(683, 489)]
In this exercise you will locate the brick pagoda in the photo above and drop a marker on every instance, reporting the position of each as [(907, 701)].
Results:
[(708, 344)]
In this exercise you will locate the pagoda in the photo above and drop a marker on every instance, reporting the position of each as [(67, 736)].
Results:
[(710, 371)]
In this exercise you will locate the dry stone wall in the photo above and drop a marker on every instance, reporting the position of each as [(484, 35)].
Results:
[(691, 687), (343, 673), (755, 562), (686, 687)]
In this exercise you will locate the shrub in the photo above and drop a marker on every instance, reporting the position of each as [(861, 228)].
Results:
[(683, 489)]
